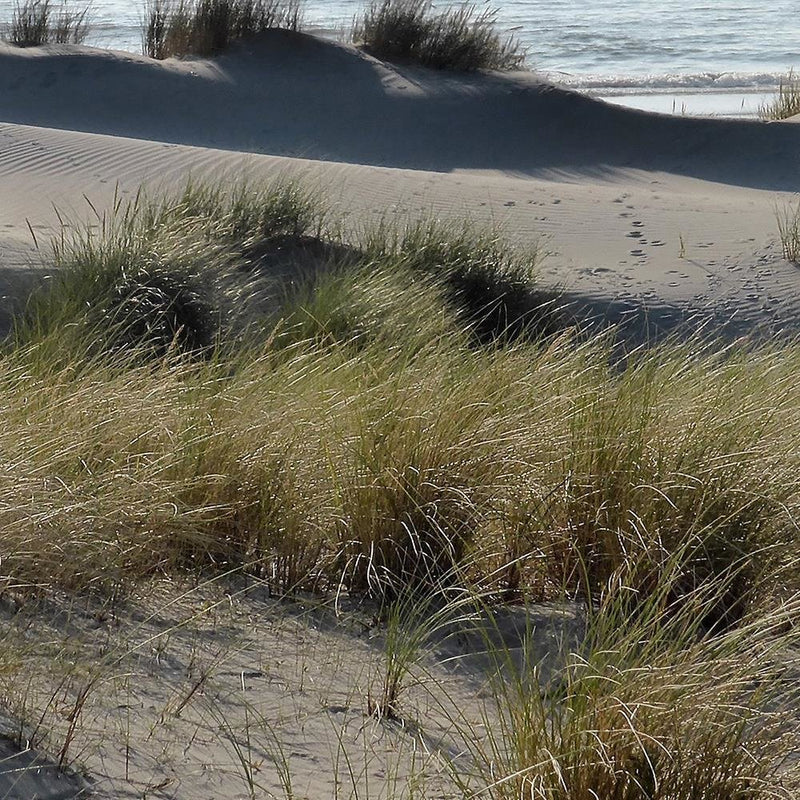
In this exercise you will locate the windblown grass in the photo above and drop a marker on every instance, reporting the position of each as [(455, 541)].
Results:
[(345, 419), (461, 38), (38, 22), (222, 382), (647, 709), (207, 27), (184, 276), (786, 102), (788, 218)]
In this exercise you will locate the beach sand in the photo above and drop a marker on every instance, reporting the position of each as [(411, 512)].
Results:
[(669, 221), (671, 216)]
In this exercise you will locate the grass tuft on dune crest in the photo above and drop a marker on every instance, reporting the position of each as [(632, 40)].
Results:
[(37, 22), (461, 38), (786, 102), (175, 28)]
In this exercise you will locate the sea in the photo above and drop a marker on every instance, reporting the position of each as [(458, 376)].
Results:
[(722, 57)]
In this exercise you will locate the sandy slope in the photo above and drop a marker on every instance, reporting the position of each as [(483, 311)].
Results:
[(673, 213), (657, 217)]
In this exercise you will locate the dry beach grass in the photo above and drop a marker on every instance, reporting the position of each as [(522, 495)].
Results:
[(38, 22), (330, 492), (351, 438), (208, 27)]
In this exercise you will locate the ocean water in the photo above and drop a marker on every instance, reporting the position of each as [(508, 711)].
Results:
[(664, 50)]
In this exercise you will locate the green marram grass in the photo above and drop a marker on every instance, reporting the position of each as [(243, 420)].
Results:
[(788, 218), (223, 381), (175, 28), (786, 102), (462, 38), (332, 412)]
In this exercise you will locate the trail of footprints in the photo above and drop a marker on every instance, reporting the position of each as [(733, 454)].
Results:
[(637, 233)]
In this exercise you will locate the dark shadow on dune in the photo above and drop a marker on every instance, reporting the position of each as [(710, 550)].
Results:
[(290, 258), (16, 285), (26, 774), (638, 324), (288, 93)]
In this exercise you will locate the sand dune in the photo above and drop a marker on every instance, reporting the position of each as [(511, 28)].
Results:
[(292, 94), (661, 220), (672, 214)]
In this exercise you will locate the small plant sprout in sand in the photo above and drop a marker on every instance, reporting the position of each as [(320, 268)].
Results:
[(789, 231), (786, 102), (413, 619)]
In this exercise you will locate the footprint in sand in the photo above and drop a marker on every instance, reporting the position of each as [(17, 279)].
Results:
[(637, 223), (556, 202), (657, 243), (510, 203), (634, 234), (637, 252)]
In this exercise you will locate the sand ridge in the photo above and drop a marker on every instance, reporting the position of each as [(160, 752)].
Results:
[(674, 215)]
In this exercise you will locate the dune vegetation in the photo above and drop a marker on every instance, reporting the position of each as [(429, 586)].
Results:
[(461, 38), (38, 22), (223, 383), (208, 27), (786, 102)]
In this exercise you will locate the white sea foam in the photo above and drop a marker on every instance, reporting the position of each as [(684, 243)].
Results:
[(673, 82)]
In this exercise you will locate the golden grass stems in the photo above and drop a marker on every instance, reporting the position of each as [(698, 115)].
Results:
[(38, 22), (461, 38), (350, 429), (786, 102), (175, 28)]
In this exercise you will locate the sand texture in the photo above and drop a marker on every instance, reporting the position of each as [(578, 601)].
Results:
[(673, 215)]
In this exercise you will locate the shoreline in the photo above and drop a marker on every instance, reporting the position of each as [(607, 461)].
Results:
[(742, 104)]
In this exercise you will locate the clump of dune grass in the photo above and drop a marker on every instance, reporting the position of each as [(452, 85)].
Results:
[(208, 27), (182, 276), (646, 707), (489, 285), (38, 22), (220, 382), (461, 38), (334, 420), (786, 102), (788, 218)]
